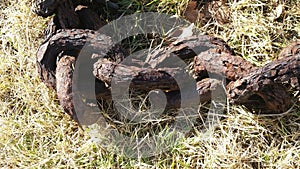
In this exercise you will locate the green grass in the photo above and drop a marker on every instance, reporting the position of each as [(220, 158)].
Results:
[(35, 133)]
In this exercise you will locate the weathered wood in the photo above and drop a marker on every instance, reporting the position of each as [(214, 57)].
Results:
[(202, 43), (85, 113), (52, 27), (210, 60), (268, 83), (45, 8), (261, 89), (88, 19), (64, 75), (66, 15), (66, 18), (291, 50), (221, 64), (207, 86), (202, 12), (68, 40), (137, 76)]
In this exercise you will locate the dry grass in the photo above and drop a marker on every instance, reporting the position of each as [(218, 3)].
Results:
[(34, 132)]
